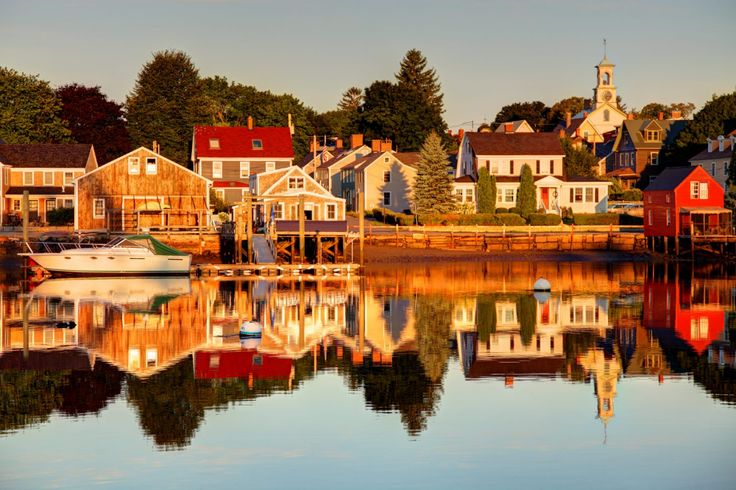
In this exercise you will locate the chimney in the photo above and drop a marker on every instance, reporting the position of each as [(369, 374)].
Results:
[(356, 140), (732, 138), (660, 116), (508, 128), (630, 116), (562, 133), (375, 145), (155, 147), (568, 119), (720, 143), (386, 145), (676, 115), (250, 122), (291, 125), (577, 133), (585, 114), (460, 134), (312, 145), (710, 145), (338, 143)]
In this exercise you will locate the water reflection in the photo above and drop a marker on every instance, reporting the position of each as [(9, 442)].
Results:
[(171, 347)]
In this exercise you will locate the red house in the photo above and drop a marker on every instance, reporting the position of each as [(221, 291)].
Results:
[(684, 201), (222, 364)]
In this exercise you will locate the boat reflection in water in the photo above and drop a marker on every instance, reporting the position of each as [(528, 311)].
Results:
[(393, 335)]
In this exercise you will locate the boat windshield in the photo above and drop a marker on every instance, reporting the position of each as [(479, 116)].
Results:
[(122, 242)]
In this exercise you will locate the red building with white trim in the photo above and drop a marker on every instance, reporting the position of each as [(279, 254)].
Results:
[(684, 201)]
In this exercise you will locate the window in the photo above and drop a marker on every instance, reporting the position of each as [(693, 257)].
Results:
[(270, 166), (494, 167), (16, 205), (589, 194), (48, 178), (606, 115), (134, 166), (98, 211), (296, 183), (654, 158), (695, 190), (649, 218), (216, 170), (386, 198), (33, 206), (703, 190), (151, 166), (257, 144), (68, 203), (652, 135), (669, 220), (214, 144), (509, 195), (27, 178), (459, 195), (50, 205), (278, 211), (68, 178), (469, 195), (578, 194), (244, 170), (331, 211), (666, 198)]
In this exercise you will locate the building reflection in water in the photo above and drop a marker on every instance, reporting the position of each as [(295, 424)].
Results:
[(71, 345)]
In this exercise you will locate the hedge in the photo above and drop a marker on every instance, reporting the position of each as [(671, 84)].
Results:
[(60, 216), (596, 219), (392, 218), (543, 219), (502, 210), (473, 219)]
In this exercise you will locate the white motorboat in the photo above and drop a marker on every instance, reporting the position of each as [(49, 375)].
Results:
[(130, 255), (118, 290)]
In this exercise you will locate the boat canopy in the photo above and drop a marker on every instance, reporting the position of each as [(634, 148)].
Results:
[(154, 245)]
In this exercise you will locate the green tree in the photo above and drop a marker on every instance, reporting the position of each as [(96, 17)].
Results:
[(400, 113), (351, 99), (433, 318), (527, 202), (165, 104), (433, 183), (652, 110), (558, 112), (578, 160), (29, 110), (486, 319), (707, 123), (731, 184), (535, 113), (413, 72), (486, 191), (526, 310), (95, 119)]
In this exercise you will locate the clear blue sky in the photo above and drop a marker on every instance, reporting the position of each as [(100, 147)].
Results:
[(487, 53)]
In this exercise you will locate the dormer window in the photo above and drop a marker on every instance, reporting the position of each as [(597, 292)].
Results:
[(652, 135), (257, 144), (214, 144)]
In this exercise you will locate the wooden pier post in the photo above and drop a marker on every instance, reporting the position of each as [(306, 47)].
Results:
[(249, 226), (301, 228), (24, 210), (361, 226)]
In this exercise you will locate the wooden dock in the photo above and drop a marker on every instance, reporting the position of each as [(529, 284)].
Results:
[(289, 270)]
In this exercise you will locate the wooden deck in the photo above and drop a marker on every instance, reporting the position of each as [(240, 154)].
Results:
[(210, 270)]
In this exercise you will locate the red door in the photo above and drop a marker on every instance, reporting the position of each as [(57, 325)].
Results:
[(545, 197)]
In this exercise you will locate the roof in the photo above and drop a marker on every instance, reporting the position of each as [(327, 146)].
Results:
[(311, 156), (45, 155), (229, 183), (535, 366), (408, 158), (670, 178), (363, 162), (514, 125), (622, 172), (40, 190), (465, 178), (515, 143), (636, 127), (237, 142), (715, 154)]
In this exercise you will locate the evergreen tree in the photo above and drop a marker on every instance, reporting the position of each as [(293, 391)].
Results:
[(433, 183), (578, 161), (165, 104), (494, 194), (351, 99), (433, 319), (486, 201), (526, 311), (527, 202), (413, 72), (29, 110)]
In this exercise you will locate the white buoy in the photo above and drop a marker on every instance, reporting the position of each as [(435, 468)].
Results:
[(542, 284), (250, 329)]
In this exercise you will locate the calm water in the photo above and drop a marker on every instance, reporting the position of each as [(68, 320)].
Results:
[(410, 377)]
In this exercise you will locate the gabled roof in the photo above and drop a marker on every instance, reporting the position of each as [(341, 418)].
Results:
[(410, 158), (515, 125), (237, 142), (45, 155), (715, 154), (515, 143), (290, 171), (670, 178), (342, 156), (636, 127), (319, 155)]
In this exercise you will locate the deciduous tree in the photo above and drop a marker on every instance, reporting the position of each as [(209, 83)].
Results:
[(433, 183), (558, 111), (535, 113), (29, 110)]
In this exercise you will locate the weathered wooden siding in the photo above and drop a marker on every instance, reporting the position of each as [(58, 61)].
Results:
[(231, 170)]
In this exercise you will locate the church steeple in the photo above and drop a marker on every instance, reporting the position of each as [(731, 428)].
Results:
[(605, 90)]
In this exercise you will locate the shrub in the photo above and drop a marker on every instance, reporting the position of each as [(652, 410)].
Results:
[(511, 219), (632, 195), (60, 217), (514, 210), (473, 219), (502, 210), (393, 218), (597, 219), (544, 219)]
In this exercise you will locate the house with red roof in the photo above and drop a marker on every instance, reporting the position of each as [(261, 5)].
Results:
[(228, 156), (46, 171), (684, 201), (504, 155)]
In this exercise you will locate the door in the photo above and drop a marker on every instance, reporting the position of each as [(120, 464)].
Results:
[(545, 197)]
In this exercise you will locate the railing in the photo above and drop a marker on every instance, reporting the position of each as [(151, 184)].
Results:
[(57, 247)]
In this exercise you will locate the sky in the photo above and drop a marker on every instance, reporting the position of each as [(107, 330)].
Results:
[(487, 53)]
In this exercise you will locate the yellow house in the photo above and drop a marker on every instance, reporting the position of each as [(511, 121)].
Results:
[(384, 178)]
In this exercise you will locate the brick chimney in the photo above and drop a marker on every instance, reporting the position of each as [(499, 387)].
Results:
[(562, 133), (250, 122), (508, 128), (386, 145), (156, 147), (568, 119), (356, 140), (660, 116), (312, 145), (338, 143), (291, 125), (460, 134), (630, 116), (585, 114), (375, 145), (720, 143), (676, 115)]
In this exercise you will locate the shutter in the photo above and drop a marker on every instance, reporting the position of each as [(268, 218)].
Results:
[(596, 194), (572, 195)]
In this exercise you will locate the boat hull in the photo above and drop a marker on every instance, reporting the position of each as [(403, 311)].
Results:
[(110, 264)]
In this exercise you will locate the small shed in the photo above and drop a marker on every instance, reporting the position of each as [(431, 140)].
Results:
[(141, 191), (685, 201)]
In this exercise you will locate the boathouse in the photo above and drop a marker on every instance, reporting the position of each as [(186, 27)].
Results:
[(141, 191), (685, 201)]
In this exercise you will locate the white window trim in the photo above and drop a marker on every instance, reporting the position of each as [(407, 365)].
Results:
[(71, 178), (216, 170), (270, 166), (244, 170), (95, 214), (33, 178), (390, 198), (134, 166), (333, 208), (703, 190), (151, 163), (46, 174), (694, 190)]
